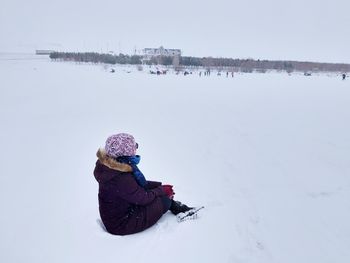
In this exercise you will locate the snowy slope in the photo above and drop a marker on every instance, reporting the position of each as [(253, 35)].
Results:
[(267, 154)]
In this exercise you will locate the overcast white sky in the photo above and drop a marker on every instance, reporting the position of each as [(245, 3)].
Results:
[(313, 30)]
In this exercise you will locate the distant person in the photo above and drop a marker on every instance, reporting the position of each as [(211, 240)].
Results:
[(232, 74), (344, 76), (128, 203), (226, 74)]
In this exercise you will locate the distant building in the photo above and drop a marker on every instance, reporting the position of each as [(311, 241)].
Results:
[(161, 51), (43, 52)]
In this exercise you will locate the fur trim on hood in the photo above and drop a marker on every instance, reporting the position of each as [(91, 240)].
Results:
[(112, 163)]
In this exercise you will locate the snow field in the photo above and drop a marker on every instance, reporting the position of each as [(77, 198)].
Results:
[(266, 154)]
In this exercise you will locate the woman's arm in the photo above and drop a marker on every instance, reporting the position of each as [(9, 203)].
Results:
[(130, 191), (153, 184)]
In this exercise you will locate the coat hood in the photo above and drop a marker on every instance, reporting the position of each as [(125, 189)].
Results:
[(107, 167)]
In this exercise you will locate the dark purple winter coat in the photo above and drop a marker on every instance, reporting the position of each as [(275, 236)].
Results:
[(125, 207)]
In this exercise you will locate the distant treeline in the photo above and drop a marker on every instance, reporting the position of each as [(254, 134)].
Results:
[(97, 58), (228, 64)]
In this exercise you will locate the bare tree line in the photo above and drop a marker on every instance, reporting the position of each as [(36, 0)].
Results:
[(227, 64)]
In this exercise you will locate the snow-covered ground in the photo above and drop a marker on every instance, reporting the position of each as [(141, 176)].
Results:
[(268, 155)]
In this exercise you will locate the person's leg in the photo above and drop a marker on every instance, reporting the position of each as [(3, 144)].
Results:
[(166, 203)]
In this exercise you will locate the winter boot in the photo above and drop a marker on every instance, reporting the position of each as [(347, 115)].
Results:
[(177, 207)]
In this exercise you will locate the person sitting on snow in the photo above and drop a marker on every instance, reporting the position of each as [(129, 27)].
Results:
[(128, 203)]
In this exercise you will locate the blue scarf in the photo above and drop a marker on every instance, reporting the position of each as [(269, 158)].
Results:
[(133, 161)]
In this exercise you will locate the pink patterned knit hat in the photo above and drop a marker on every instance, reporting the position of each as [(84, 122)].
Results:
[(121, 144)]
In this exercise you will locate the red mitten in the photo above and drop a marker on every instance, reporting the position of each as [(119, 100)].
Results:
[(168, 190)]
